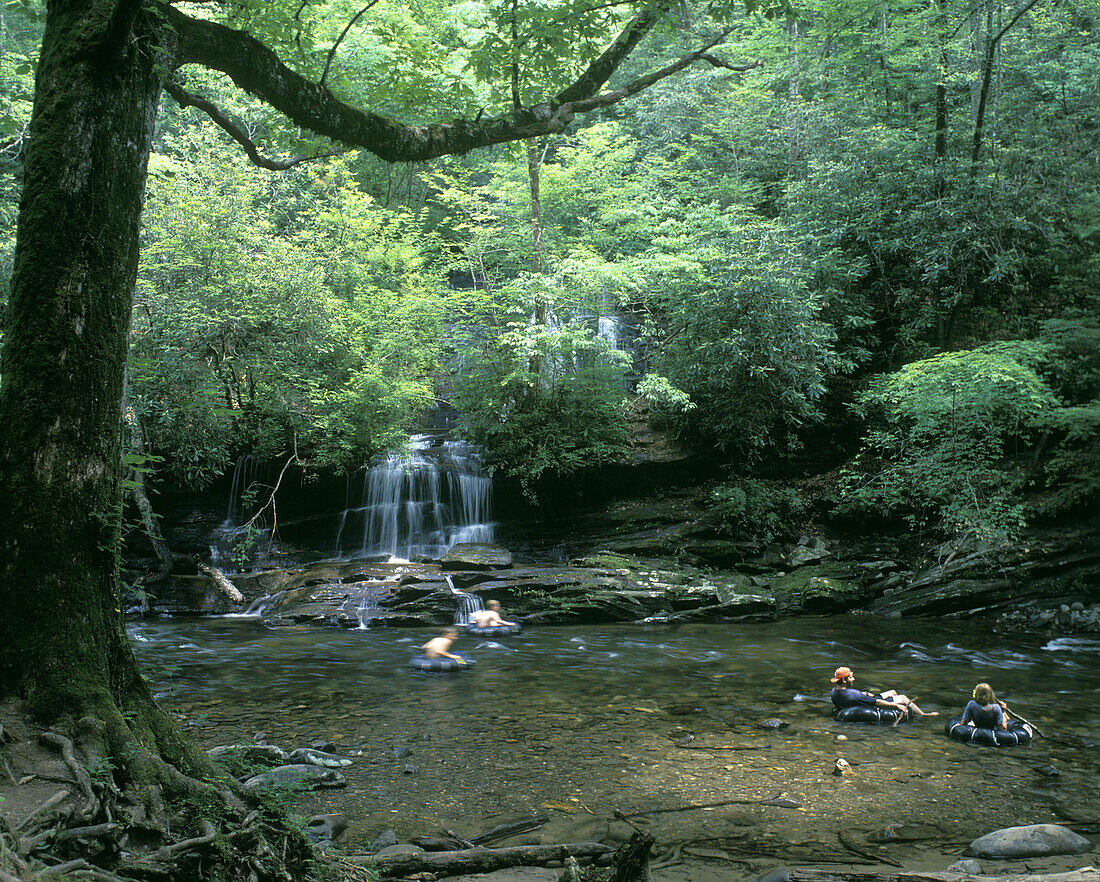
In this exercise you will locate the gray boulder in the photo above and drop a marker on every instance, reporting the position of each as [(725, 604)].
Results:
[(384, 840), (399, 849), (310, 756), (301, 776), (968, 865), (1034, 840), (256, 753), (321, 828)]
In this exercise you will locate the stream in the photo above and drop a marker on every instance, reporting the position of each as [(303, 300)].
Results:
[(576, 724)]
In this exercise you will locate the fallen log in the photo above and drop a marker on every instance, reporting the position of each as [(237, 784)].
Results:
[(479, 860), (220, 580), (800, 874)]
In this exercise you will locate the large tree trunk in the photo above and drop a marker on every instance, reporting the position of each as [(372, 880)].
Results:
[(63, 648)]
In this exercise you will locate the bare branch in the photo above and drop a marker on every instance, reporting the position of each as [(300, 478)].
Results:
[(614, 96), (187, 99), (740, 68), (343, 33)]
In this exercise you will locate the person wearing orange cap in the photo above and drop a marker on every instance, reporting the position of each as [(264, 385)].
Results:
[(844, 694)]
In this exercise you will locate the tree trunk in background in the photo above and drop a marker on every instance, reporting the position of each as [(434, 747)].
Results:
[(540, 317), (941, 101)]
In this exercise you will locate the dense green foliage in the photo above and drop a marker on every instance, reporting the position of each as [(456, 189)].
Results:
[(833, 236), (276, 313)]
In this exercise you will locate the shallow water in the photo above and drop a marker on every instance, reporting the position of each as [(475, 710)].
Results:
[(576, 724)]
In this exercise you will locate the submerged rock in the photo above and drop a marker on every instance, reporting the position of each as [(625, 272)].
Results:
[(772, 723), (318, 758), (1034, 840), (304, 776), (256, 753)]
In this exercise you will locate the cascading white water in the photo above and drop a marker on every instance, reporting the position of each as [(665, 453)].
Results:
[(234, 547), (468, 604), (420, 503)]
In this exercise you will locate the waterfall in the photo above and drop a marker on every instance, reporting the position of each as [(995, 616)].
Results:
[(468, 604), (419, 503), (234, 547)]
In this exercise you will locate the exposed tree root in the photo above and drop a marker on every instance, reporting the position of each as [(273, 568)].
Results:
[(129, 815)]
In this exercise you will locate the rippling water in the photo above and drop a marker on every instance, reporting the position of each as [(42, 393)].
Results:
[(590, 717)]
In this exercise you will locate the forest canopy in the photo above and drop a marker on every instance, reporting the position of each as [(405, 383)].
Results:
[(749, 258)]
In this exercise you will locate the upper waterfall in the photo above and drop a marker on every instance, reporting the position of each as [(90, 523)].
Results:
[(419, 502)]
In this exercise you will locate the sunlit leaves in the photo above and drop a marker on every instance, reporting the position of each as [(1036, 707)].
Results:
[(277, 312)]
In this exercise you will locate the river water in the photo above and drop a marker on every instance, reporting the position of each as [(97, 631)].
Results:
[(576, 724)]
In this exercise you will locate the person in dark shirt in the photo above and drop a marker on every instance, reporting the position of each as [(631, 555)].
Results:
[(985, 710), (844, 694)]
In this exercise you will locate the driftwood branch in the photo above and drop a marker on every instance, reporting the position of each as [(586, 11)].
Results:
[(220, 580), (481, 860), (856, 849), (502, 831), (780, 801), (1026, 722), (632, 859)]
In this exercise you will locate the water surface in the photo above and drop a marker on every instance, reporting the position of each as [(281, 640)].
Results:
[(580, 723)]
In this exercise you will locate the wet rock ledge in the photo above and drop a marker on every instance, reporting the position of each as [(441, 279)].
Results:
[(1050, 582)]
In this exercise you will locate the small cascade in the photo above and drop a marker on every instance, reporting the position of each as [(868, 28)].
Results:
[(258, 608), (364, 603), (468, 604), (239, 545), (420, 503)]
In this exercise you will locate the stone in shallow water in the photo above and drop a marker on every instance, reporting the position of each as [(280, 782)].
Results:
[(399, 849), (1034, 840), (298, 776), (384, 840)]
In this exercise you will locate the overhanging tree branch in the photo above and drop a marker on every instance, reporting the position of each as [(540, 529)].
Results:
[(257, 70), (600, 70), (188, 99)]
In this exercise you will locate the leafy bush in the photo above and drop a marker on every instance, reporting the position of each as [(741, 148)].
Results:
[(755, 509), (543, 401), (1069, 474), (943, 439), (277, 314)]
